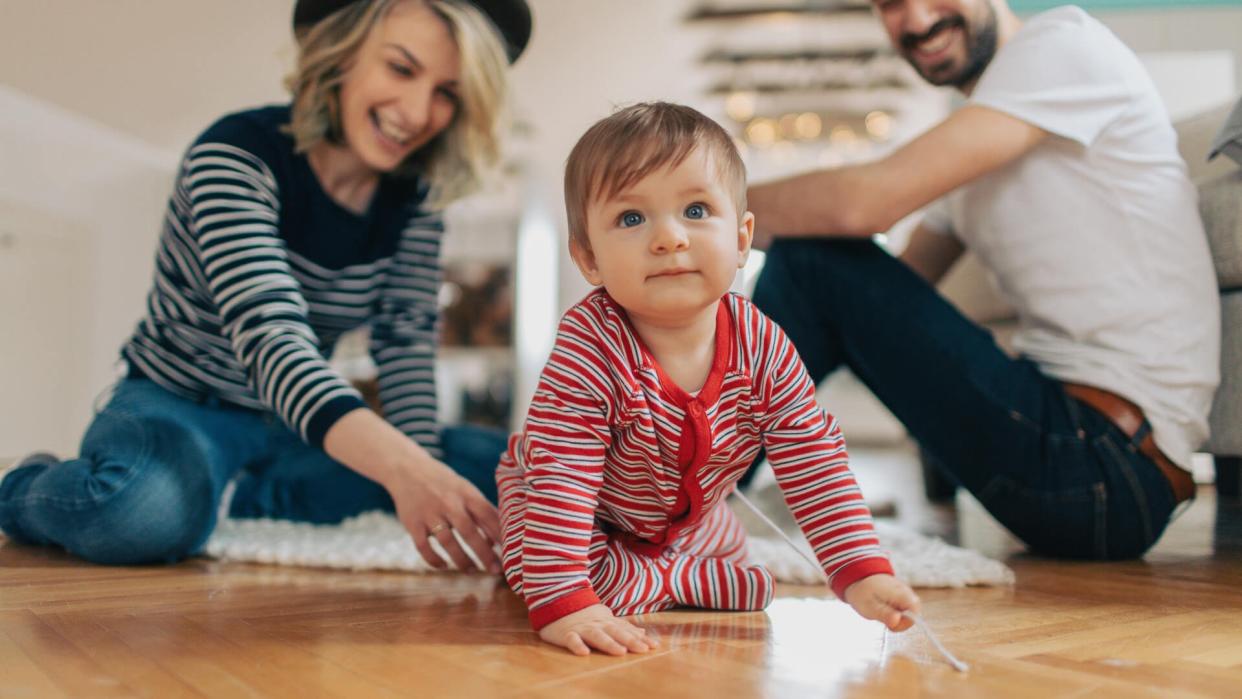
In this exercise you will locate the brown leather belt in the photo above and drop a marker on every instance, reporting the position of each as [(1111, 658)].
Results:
[(1129, 419)]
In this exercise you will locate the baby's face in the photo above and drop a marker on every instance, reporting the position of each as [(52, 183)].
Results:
[(669, 246)]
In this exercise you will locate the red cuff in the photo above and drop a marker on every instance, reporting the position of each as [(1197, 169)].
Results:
[(562, 606), (856, 571)]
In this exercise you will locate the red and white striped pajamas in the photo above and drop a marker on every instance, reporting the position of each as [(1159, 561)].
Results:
[(614, 491)]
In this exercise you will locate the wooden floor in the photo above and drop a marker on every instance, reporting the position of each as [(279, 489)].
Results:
[(1168, 626)]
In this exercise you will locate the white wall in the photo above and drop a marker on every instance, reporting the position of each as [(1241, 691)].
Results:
[(98, 101), (160, 70), (80, 206), (1189, 29)]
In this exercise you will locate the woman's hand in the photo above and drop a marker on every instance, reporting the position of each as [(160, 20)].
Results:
[(431, 499), (433, 502), (883, 598), (596, 627)]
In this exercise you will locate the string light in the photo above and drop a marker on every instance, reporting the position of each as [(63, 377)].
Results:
[(761, 132), (740, 105), (808, 126), (785, 127), (879, 125)]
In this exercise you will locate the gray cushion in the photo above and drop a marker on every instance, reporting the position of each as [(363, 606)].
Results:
[(1229, 140), (1220, 190), (1226, 416), (1195, 135), (1220, 205)]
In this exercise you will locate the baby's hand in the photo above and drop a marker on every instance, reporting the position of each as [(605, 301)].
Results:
[(883, 598), (596, 627)]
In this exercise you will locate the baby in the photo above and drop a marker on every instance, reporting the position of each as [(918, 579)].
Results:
[(659, 393)]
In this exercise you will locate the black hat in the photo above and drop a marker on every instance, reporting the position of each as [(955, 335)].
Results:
[(511, 17)]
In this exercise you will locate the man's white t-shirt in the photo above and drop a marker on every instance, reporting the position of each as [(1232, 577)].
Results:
[(1094, 236)]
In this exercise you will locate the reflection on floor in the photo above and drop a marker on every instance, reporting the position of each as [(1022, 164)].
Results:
[(1170, 625)]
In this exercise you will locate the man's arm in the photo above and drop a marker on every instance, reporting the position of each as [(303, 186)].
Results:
[(931, 254), (861, 200)]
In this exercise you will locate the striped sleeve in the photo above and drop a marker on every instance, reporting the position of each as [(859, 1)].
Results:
[(405, 333), (809, 458), (235, 211), (566, 438)]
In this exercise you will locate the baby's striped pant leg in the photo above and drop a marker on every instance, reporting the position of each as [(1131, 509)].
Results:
[(718, 583)]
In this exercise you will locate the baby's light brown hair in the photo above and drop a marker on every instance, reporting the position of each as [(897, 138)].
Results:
[(623, 148)]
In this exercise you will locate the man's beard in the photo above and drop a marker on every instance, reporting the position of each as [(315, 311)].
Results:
[(980, 48)]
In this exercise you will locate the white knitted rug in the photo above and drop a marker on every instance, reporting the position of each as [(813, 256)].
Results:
[(377, 541), (921, 561)]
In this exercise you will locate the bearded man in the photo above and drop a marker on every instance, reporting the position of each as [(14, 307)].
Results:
[(1061, 174)]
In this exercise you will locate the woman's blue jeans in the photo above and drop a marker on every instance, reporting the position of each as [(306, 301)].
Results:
[(152, 467), (1052, 470)]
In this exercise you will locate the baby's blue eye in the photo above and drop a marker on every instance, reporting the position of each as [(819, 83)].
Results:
[(630, 218), (696, 211)]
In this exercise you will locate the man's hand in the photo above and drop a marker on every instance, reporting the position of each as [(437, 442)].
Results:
[(883, 598), (596, 627)]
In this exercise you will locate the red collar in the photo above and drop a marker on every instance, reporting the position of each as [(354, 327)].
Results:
[(720, 361)]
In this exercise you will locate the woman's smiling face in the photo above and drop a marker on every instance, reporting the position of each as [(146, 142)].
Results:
[(401, 89)]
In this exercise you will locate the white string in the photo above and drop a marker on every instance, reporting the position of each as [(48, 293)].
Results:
[(931, 636), (770, 523), (918, 621)]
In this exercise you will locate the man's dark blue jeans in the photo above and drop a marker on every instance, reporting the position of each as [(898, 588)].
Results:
[(1055, 472)]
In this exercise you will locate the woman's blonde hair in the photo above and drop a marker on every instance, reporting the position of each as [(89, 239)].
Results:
[(455, 161)]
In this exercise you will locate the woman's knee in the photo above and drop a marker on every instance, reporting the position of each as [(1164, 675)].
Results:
[(161, 515), (151, 495)]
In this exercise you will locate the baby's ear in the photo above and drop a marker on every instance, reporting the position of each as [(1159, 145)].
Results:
[(745, 236), (584, 258)]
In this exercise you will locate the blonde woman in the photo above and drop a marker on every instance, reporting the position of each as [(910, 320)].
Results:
[(288, 226)]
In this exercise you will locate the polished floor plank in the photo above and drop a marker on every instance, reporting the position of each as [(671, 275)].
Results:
[(73, 671), (138, 672), (1167, 626), (19, 670)]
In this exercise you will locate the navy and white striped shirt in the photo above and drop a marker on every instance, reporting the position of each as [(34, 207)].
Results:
[(259, 272)]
